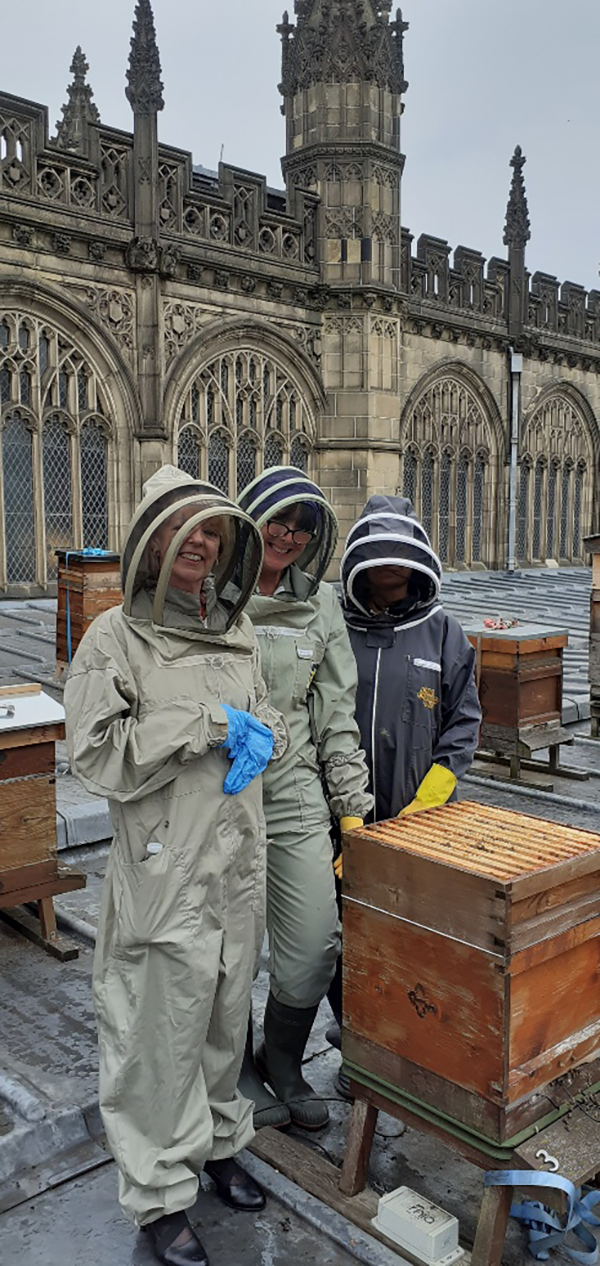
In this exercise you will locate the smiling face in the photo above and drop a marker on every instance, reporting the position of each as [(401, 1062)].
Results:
[(198, 554), (281, 549), (388, 585)]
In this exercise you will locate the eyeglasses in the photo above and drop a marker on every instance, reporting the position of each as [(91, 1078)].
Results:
[(279, 530)]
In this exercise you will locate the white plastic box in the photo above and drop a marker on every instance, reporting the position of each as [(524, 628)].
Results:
[(422, 1228)]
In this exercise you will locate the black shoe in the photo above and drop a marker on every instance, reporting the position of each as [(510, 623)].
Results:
[(163, 1234), (334, 1036), (342, 1084), (234, 1186)]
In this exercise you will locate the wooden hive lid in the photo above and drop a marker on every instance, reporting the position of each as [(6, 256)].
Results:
[(482, 840)]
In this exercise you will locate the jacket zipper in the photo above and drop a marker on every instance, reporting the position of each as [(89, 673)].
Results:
[(373, 720)]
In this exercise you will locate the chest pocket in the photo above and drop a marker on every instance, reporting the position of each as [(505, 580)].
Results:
[(308, 658), (423, 700)]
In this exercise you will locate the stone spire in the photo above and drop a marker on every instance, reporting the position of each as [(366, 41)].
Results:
[(79, 111), (145, 89), (343, 41), (517, 230)]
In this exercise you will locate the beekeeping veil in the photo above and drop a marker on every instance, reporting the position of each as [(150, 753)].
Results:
[(282, 487), (241, 549)]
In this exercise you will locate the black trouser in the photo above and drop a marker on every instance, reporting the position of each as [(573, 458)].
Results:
[(334, 993)]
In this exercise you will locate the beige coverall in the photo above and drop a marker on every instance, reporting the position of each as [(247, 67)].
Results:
[(181, 922)]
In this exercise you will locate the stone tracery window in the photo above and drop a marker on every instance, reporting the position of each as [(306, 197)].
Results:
[(555, 506), (243, 413), (53, 422), (448, 441)]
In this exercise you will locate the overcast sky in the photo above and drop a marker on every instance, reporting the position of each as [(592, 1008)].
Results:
[(485, 75)]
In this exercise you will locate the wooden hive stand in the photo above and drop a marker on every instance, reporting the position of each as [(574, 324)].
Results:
[(30, 725), (471, 998), (519, 674)]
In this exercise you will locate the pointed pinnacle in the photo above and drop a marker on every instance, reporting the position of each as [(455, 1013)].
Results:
[(145, 89), (517, 231), (80, 109)]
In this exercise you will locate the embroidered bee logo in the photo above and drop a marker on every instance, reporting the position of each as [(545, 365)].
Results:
[(428, 697)]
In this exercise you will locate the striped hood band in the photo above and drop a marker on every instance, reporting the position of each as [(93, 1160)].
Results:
[(280, 488), (388, 533)]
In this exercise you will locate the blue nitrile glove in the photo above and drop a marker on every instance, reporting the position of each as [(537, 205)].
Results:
[(250, 746)]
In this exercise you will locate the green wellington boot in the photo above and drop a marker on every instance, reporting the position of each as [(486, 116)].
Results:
[(279, 1062), (267, 1109)]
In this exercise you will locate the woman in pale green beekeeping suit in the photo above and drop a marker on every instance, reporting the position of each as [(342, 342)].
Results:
[(163, 691), (310, 675)]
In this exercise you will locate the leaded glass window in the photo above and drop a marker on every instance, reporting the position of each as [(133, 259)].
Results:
[(299, 454), (522, 512), (461, 510), (409, 487), (537, 509), (478, 494), (447, 423), (218, 461), (564, 511), (19, 520), (273, 450), (94, 489), (427, 493), (246, 463), (58, 501), (57, 394), (551, 523), (188, 452), (249, 406), (577, 510), (444, 530), (558, 432)]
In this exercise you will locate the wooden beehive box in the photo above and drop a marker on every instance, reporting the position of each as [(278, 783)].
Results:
[(472, 962), (87, 585), (519, 674), (30, 725)]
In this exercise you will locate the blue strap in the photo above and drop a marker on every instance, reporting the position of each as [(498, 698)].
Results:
[(546, 1230), (87, 553)]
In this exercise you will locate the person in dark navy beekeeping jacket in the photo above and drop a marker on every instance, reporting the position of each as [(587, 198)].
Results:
[(417, 704)]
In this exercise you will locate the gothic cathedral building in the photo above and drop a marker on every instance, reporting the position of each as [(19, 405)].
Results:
[(152, 311)]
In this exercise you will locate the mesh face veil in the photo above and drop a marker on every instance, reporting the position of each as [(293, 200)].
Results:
[(388, 533), (241, 547), (278, 489)]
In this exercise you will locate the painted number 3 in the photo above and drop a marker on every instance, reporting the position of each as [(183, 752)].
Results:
[(548, 1160)]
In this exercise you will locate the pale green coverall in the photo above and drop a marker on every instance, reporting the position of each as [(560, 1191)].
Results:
[(179, 929), (310, 675)]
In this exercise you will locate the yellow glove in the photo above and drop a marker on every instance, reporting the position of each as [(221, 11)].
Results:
[(435, 790), (346, 824)]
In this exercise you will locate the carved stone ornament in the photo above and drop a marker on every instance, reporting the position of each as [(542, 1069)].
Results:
[(342, 41), (168, 261), (517, 230), (144, 85), (61, 243), (195, 272), (142, 255), (248, 285), (221, 280), (22, 235), (97, 251), (309, 339), (274, 289), (114, 309), (181, 322), (80, 110)]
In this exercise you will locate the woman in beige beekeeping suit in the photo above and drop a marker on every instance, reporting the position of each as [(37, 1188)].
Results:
[(163, 693)]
